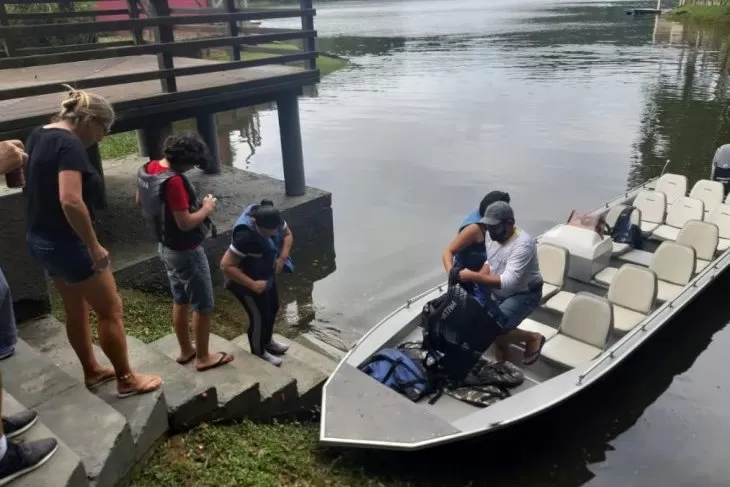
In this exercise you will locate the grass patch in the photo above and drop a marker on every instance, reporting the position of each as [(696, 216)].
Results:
[(118, 145), (249, 454), (701, 14)]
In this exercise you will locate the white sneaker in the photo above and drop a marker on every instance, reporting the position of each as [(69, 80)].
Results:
[(272, 359), (277, 348)]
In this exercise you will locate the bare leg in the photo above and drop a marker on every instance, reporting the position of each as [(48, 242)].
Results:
[(529, 338), (78, 332), (182, 331), (100, 291)]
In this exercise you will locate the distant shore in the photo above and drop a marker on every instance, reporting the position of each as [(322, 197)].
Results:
[(701, 14)]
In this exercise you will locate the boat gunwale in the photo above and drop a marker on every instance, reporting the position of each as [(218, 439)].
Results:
[(653, 322)]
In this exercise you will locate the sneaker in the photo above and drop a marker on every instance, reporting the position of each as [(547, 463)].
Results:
[(272, 359), (277, 348), (22, 458), (18, 424)]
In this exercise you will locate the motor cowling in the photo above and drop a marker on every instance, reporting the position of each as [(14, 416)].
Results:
[(721, 166)]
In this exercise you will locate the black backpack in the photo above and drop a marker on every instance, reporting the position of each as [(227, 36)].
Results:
[(624, 231), (457, 330)]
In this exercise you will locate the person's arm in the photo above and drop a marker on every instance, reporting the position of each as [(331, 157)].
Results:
[(12, 155), (517, 262), (72, 203), (285, 248), (137, 203), (229, 266), (177, 199), (468, 236), (240, 246)]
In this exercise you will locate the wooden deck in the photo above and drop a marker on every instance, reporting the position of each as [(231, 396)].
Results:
[(230, 89)]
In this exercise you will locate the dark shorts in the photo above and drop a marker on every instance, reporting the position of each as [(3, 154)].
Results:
[(66, 258), (512, 310), (189, 275)]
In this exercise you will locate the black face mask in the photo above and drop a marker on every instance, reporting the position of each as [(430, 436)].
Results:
[(498, 233)]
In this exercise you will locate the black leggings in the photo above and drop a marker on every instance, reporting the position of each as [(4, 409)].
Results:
[(261, 309)]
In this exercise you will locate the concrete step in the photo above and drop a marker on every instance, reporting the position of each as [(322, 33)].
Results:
[(237, 389), (309, 368), (63, 469), (145, 413), (93, 429), (314, 343)]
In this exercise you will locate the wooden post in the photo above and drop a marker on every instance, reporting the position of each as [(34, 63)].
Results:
[(163, 34), (137, 34), (152, 137), (309, 44), (291, 143), (232, 30), (208, 130), (95, 158), (9, 51)]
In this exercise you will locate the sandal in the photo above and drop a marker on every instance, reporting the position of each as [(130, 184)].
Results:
[(532, 357), (186, 360), (149, 386), (225, 358), (101, 380)]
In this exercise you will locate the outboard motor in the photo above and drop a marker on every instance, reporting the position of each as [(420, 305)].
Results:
[(721, 167)]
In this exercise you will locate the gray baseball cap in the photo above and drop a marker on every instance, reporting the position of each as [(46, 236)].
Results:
[(497, 212)]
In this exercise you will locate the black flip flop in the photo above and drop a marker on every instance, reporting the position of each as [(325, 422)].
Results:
[(532, 358), (221, 361), (186, 360)]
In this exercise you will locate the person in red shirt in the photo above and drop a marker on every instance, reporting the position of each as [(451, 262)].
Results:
[(181, 223)]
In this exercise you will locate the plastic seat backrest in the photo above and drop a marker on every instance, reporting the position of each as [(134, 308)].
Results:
[(673, 186), (720, 216), (553, 262), (588, 319), (702, 236), (653, 206), (709, 191), (674, 263), (634, 287), (683, 210)]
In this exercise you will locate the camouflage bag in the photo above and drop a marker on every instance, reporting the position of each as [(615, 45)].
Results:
[(480, 396), (505, 374)]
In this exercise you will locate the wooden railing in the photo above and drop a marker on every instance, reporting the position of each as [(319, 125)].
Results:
[(157, 16)]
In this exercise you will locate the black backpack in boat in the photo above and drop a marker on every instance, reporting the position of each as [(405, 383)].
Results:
[(626, 232), (457, 330)]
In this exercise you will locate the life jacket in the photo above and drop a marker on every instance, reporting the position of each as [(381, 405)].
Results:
[(160, 218), (261, 266), (473, 256), (624, 231)]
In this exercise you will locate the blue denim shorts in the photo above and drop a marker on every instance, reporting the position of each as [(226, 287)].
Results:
[(67, 258), (189, 276), (517, 307)]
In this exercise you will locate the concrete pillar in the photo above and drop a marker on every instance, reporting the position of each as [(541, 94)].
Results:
[(291, 143), (153, 136), (141, 146), (208, 130)]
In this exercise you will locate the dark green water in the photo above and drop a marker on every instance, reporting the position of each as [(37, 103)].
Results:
[(564, 105)]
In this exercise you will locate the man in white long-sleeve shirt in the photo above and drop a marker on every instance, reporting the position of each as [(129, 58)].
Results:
[(510, 279)]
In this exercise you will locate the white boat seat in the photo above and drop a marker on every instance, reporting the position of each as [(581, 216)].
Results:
[(553, 262), (560, 301), (638, 257), (583, 331), (674, 186), (606, 275), (674, 265), (611, 218), (653, 208), (632, 294), (683, 210), (720, 216), (703, 237), (709, 191), (536, 327)]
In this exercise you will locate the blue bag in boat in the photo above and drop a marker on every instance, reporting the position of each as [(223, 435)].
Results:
[(624, 231), (393, 368)]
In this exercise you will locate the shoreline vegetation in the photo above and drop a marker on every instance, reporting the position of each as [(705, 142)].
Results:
[(707, 15), (125, 143)]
